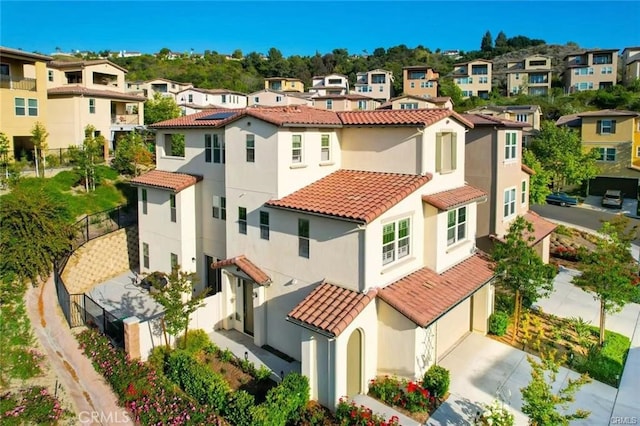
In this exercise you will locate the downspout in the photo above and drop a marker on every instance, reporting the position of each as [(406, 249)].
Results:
[(420, 149), (330, 380)]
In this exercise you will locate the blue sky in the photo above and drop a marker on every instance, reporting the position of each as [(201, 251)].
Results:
[(304, 27)]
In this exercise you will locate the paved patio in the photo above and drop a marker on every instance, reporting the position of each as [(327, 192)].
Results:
[(124, 299)]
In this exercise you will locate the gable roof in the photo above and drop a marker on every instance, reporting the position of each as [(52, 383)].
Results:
[(609, 113), (246, 266), (352, 195), (407, 117), (424, 296), (76, 64), (447, 200), (16, 53), (571, 120), (541, 226), (77, 90), (330, 309), (488, 120), (172, 181), (211, 91)]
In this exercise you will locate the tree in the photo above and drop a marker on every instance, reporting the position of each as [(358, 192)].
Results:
[(540, 403), (501, 42), (39, 137), (33, 232), (4, 154), (538, 181), (560, 152), (519, 269), (609, 272), (131, 153), (486, 45), (237, 54), (86, 157), (160, 108), (177, 298)]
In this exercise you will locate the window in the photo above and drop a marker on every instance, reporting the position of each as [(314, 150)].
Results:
[(242, 220), (606, 154), (20, 106), (144, 201), (606, 127), (278, 98), (409, 105), (33, 107), (296, 149), (638, 151), (50, 75), (446, 145), (256, 99), (523, 193), (483, 80), (219, 209), (362, 104), (191, 98), (219, 154), (605, 58), (208, 149), (412, 85), (584, 71), (521, 118), (388, 243), (396, 240), (92, 106), (174, 261), (264, 225), (456, 225), (145, 255), (606, 70), (325, 148), (510, 146), (251, 149), (172, 206), (303, 238), (329, 104), (509, 202), (174, 144), (214, 276)]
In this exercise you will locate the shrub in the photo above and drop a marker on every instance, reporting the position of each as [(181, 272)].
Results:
[(34, 405), (436, 380), (496, 414), (197, 340), (226, 355), (498, 323), (197, 380), (385, 389), (351, 414), (315, 414), (158, 357), (402, 393), (284, 403), (605, 364), (263, 373), (238, 411)]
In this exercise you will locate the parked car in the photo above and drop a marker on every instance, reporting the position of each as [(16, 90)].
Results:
[(613, 198), (561, 199)]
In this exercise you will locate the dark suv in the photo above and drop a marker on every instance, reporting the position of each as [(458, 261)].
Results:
[(613, 198)]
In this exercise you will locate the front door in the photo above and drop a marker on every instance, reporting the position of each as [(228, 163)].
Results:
[(354, 363), (248, 306)]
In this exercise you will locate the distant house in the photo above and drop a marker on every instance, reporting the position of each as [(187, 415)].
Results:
[(473, 78), (345, 102), (528, 115), (420, 80), (630, 64), (530, 75), (377, 84), (159, 85), (267, 97), (194, 99), (590, 70), (418, 102), (284, 84), (332, 84)]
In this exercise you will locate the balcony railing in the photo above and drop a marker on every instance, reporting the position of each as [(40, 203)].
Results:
[(124, 119), (8, 82)]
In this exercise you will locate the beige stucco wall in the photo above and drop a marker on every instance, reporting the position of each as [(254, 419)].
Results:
[(381, 149), (396, 342), (416, 90), (268, 98)]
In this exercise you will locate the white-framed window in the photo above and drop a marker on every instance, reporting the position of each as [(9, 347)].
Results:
[(33, 107), (242, 220), (219, 153), (511, 146), (278, 98), (173, 208), (509, 202), (483, 80), (264, 225), (219, 209), (522, 118), (92, 106), (412, 85), (446, 155), (208, 149), (409, 105), (325, 148), (606, 70), (144, 200), (606, 154), (606, 127), (145, 255), (256, 99), (329, 104), (362, 104), (174, 261), (396, 240), (190, 98), (251, 148), (50, 75), (523, 192), (20, 106), (456, 225), (296, 149), (303, 238)]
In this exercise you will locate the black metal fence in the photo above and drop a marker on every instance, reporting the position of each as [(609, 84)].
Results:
[(94, 315)]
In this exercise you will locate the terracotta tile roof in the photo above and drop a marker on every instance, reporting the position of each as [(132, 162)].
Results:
[(541, 226), (452, 198), (352, 194), (488, 120), (83, 91), (245, 265), (527, 169), (175, 182), (330, 308), (76, 64), (195, 120), (424, 296), (411, 117)]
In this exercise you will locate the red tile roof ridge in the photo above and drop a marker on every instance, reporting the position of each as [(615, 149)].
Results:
[(247, 266), (527, 169), (174, 181), (445, 200)]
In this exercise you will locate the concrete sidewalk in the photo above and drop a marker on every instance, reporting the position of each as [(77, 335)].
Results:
[(94, 401)]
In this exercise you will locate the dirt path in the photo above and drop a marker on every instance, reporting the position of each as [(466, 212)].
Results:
[(94, 401)]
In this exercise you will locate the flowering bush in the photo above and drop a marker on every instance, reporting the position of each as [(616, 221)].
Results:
[(348, 413), (149, 397), (34, 405), (401, 393), (495, 414), (567, 253)]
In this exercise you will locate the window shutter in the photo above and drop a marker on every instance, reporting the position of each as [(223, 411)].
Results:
[(438, 152), (613, 126), (454, 148), (599, 127)]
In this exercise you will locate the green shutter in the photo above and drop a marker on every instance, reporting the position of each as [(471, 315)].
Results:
[(598, 126), (454, 148), (438, 152), (613, 126)]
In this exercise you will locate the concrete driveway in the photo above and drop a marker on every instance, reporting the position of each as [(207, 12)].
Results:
[(483, 369)]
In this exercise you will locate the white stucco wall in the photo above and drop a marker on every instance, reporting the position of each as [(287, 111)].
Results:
[(396, 342)]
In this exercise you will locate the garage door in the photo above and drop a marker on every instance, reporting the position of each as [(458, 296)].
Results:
[(452, 327)]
